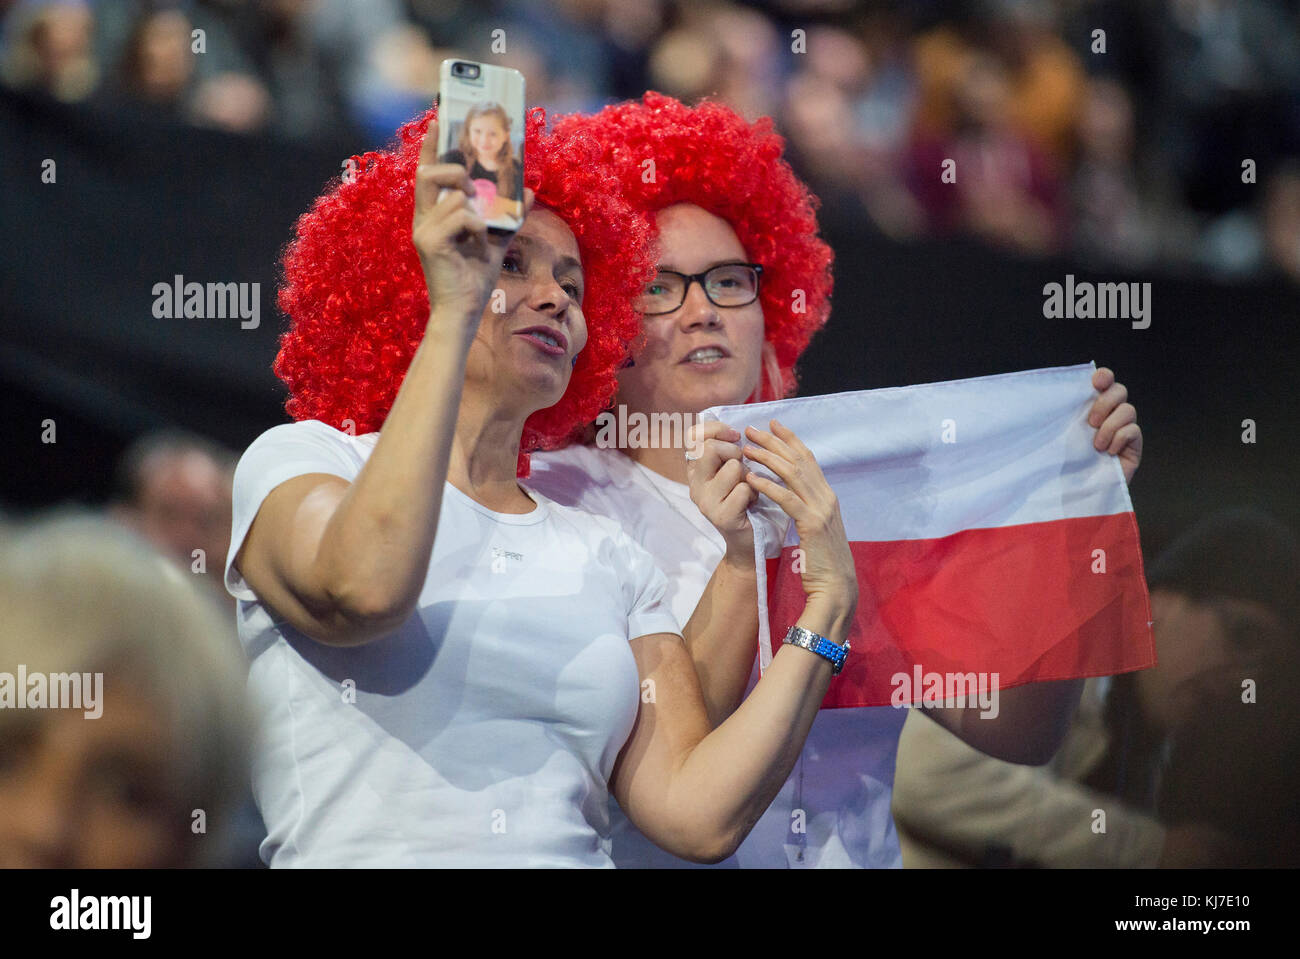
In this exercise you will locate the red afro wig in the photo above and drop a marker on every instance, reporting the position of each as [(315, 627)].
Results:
[(357, 303), (710, 156)]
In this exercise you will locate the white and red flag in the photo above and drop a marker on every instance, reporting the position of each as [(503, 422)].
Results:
[(988, 534)]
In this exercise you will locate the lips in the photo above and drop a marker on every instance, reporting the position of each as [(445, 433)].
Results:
[(705, 355), (547, 339)]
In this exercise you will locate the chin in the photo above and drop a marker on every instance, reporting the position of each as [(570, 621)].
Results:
[(717, 394), (545, 387)]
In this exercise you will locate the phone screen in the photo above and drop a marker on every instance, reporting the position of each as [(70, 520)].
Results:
[(481, 126)]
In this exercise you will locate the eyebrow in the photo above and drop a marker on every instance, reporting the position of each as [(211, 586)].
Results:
[(564, 262), (732, 262)]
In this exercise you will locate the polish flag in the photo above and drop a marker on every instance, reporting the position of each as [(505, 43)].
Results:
[(988, 534)]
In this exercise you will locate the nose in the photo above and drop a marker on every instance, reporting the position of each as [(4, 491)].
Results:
[(697, 310), (548, 297)]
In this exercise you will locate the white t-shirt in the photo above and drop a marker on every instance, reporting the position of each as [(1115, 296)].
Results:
[(839, 792), (484, 730)]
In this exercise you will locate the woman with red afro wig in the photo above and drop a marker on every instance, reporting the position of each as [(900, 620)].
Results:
[(743, 284), (665, 153), (450, 666), (355, 294)]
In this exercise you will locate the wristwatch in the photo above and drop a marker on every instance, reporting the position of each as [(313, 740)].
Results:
[(798, 636)]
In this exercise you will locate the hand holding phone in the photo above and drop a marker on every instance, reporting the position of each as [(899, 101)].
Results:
[(460, 256)]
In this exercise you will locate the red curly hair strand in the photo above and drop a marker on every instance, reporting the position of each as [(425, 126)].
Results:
[(712, 157), (357, 303)]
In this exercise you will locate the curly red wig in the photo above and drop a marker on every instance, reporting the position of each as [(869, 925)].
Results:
[(710, 156), (357, 302)]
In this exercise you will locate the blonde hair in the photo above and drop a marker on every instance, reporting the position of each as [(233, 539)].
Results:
[(80, 594)]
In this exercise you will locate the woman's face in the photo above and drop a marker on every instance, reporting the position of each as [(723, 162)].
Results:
[(680, 369), (532, 326), (90, 793), (486, 135)]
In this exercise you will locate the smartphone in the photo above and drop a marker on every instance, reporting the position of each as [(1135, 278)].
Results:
[(481, 125)]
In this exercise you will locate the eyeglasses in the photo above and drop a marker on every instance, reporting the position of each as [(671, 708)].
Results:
[(730, 284)]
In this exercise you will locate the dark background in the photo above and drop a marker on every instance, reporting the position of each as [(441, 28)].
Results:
[(138, 200)]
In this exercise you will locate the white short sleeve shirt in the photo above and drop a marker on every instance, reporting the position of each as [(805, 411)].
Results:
[(484, 730)]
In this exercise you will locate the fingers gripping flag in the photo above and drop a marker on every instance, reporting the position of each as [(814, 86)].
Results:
[(988, 534)]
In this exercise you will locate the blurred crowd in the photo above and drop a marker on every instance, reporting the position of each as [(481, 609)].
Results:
[(160, 778), (1125, 135)]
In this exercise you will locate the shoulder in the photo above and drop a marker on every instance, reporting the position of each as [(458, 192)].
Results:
[(308, 437), (308, 446), (281, 454), (584, 476)]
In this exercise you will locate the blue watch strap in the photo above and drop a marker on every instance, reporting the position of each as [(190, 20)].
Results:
[(836, 654)]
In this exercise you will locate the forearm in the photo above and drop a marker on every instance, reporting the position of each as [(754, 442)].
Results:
[(1030, 724), (722, 634), (733, 774), (950, 796), (374, 553)]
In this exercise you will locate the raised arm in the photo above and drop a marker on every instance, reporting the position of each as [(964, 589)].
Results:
[(697, 792), (345, 562)]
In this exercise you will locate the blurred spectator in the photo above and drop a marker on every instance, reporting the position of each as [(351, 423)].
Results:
[(1110, 222), (174, 490), (748, 73), (1263, 239), (235, 102), (1236, 767), (404, 81), (338, 47), (48, 48), (157, 65), (1001, 187), (1282, 221), (1230, 86), (153, 780), (682, 64), (846, 117), (1225, 598), (543, 87), (304, 78), (1047, 79), (1043, 78), (723, 51)]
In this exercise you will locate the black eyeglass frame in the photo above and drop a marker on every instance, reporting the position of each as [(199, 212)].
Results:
[(700, 277)]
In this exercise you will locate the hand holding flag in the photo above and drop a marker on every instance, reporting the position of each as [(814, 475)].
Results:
[(828, 573), (1116, 421)]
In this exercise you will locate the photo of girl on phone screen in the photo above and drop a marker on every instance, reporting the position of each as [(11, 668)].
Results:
[(484, 148)]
